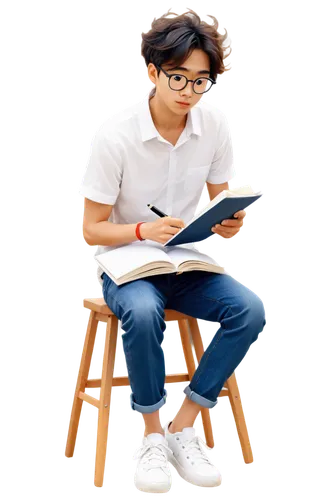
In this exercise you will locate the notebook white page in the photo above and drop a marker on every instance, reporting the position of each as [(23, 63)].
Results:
[(179, 255), (122, 260)]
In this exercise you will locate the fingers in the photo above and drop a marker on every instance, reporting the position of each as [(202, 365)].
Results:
[(170, 230), (225, 230), (238, 222), (240, 215), (225, 233), (180, 223), (174, 222), (232, 223)]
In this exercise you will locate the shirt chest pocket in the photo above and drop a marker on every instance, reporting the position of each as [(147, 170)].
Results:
[(196, 178)]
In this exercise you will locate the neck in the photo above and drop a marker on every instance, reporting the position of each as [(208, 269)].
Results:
[(163, 118)]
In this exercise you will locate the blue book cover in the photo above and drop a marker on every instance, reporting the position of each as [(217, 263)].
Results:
[(223, 207)]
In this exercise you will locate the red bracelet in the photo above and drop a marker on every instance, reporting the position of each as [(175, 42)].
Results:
[(137, 230)]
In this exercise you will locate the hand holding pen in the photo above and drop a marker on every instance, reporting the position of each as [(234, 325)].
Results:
[(162, 229)]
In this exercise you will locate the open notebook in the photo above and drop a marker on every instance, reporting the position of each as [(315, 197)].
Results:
[(147, 258)]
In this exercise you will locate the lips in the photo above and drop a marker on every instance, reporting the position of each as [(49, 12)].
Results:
[(184, 103)]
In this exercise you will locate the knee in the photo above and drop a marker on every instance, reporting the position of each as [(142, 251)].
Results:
[(145, 310), (142, 316), (251, 313), (256, 316)]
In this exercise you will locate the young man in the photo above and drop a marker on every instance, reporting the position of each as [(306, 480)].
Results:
[(162, 152)]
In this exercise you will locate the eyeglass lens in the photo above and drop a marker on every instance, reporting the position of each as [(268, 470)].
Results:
[(178, 82)]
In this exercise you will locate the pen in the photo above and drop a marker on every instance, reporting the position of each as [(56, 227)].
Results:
[(157, 211)]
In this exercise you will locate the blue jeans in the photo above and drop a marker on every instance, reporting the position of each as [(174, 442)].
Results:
[(140, 304)]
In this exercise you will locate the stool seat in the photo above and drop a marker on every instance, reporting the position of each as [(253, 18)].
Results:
[(190, 337), (98, 305)]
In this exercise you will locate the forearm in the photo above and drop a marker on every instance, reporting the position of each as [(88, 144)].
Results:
[(108, 234)]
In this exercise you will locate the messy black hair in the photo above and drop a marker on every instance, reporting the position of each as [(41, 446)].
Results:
[(173, 40)]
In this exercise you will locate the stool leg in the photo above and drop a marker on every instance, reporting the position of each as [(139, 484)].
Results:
[(81, 383), (199, 350), (206, 422), (105, 397), (237, 410)]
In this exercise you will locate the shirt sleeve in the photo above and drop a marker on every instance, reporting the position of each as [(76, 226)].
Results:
[(102, 179), (222, 167)]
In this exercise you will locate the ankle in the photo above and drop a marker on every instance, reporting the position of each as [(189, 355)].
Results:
[(173, 428), (150, 431), (156, 432), (152, 423)]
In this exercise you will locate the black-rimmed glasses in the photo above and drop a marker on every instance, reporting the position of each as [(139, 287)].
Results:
[(179, 82)]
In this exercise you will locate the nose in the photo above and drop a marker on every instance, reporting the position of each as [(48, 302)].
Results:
[(188, 90)]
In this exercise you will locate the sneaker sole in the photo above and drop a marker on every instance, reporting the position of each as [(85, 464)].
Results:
[(182, 473), (154, 487)]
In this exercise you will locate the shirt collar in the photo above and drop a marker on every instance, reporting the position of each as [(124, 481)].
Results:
[(149, 131)]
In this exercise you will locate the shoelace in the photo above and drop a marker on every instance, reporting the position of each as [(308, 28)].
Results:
[(194, 447), (153, 451)]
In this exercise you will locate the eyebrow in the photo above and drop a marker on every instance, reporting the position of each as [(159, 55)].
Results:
[(201, 72)]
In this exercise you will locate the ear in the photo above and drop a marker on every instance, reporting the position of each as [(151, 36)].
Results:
[(152, 73)]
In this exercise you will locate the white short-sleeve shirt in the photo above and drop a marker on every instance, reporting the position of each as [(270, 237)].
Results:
[(132, 165)]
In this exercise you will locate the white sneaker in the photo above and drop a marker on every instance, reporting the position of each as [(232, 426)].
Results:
[(190, 459), (152, 473)]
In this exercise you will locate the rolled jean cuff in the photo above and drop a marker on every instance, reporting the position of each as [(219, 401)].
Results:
[(151, 408), (200, 400)]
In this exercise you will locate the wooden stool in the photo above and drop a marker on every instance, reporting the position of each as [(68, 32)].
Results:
[(189, 332)]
